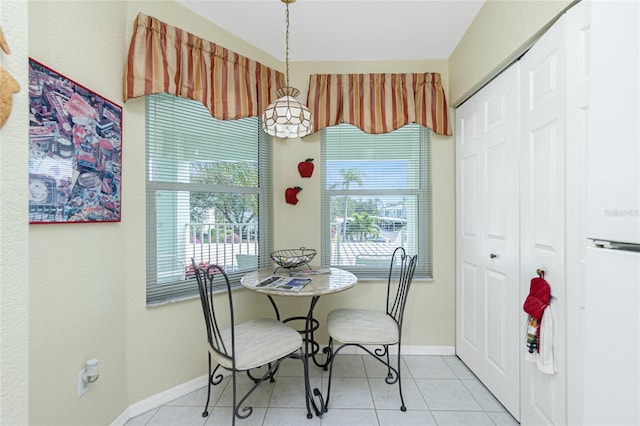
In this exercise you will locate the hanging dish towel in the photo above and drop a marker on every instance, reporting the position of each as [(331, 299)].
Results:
[(546, 356), (539, 335)]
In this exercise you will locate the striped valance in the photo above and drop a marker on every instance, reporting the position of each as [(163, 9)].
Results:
[(378, 103), (166, 59)]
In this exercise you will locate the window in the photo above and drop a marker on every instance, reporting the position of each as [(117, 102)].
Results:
[(207, 195), (376, 196)]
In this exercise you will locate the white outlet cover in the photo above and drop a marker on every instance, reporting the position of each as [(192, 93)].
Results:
[(82, 388)]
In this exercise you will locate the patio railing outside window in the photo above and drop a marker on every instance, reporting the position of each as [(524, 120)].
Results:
[(234, 246)]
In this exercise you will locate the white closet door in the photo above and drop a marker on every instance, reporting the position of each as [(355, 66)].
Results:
[(543, 212), (487, 301)]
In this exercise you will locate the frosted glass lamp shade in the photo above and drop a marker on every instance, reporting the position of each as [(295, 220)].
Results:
[(286, 117)]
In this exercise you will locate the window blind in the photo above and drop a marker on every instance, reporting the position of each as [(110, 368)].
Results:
[(376, 196), (207, 195)]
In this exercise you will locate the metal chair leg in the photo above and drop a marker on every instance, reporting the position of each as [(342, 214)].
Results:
[(402, 407), (331, 357), (235, 408), (205, 413), (386, 351), (307, 385)]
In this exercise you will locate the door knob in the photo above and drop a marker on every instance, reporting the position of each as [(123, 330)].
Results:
[(493, 256)]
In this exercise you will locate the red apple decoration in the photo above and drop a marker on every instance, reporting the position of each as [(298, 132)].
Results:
[(291, 195), (306, 168)]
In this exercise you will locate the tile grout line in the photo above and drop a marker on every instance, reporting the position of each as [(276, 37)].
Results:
[(360, 362)]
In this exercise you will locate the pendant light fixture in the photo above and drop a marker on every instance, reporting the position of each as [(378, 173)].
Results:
[(286, 117)]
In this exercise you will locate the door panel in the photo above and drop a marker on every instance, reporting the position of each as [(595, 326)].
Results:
[(497, 211), (544, 191), (497, 352), (469, 295), (542, 167), (540, 402), (470, 195), (487, 250)]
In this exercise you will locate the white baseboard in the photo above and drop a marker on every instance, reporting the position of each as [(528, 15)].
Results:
[(406, 350), (176, 392), (429, 350), (160, 399)]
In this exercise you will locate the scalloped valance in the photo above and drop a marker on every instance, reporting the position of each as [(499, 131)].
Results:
[(378, 103), (166, 59)]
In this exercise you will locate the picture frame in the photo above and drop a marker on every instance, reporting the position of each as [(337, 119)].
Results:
[(75, 151)]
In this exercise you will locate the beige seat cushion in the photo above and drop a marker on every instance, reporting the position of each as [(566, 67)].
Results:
[(362, 326), (259, 342)]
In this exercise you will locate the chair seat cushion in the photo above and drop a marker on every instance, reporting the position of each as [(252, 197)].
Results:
[(258, 342), (362, 326)]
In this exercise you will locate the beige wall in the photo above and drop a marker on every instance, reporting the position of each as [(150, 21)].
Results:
[(14, 244), (77, 282), (500, 33), (87, 281)]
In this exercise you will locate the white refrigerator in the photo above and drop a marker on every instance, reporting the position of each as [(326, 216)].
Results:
[(612, 287)]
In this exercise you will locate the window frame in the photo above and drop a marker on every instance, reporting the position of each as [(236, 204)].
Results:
[(424, 233), (175, 291)]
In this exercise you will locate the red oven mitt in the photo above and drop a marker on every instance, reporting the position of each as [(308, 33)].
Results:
[(538, 298)]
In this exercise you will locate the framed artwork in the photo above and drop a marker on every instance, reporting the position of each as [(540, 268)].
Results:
[(75, 151)]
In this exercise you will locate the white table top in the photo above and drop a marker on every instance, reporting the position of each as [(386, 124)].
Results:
[(321, 284)]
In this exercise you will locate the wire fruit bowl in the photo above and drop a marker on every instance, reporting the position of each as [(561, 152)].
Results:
[(293, 258)]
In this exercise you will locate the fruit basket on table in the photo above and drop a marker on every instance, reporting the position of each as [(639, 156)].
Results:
[(292, 258)]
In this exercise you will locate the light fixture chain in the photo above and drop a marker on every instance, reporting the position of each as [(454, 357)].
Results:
[(286, 117), (287, 43)]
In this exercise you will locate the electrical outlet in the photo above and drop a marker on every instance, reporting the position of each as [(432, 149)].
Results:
[(82, 386)]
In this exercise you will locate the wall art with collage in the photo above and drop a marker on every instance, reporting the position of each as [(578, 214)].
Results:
[(75, 151)]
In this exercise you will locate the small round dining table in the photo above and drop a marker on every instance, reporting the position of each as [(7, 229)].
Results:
[(333, 280)]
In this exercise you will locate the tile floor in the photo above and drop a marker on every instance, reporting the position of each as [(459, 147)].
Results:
[(438, 390)]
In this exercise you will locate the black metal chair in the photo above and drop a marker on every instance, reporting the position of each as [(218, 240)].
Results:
[(377, 329), (240, 347)]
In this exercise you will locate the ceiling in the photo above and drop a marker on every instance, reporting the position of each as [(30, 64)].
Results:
[(345, 30)]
